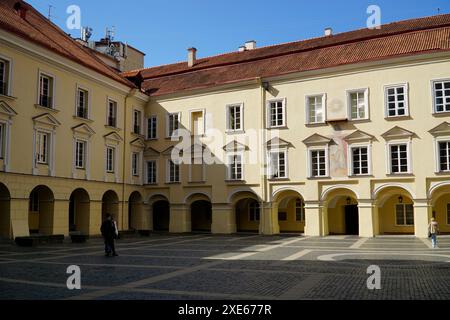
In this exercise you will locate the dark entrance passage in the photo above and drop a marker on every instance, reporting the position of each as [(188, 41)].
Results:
[(161, 215), (351, 220), (201, 216)]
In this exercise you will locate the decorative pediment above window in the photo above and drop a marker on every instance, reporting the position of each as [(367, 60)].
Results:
[(150, 152), (317, 140), (235, 146), (6, 111), (138, 143), (359, 136), (113, 137), (278, 143), (46, 120), (168, 151), (441, 130), (397, 133), (83, 130)]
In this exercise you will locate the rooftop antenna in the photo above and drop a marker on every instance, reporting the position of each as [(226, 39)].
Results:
[(439, 10), (50, 16)]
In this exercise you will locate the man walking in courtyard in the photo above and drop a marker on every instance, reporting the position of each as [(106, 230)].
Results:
[(433, 230), (109, 233)]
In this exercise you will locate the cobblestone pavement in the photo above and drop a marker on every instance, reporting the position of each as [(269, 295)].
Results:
[(196, 267)]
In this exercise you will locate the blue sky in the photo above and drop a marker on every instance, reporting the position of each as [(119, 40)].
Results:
[(164, 29)]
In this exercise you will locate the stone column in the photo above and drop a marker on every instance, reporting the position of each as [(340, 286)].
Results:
[(19, 218), (61, 217), (269, 219), (313, 219), (422, 215), (366, 219), (180, 218), (223, 219), (95, 217)]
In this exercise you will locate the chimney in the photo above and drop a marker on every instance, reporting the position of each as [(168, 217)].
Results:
[(192, 57), (250, 45), (21, 10), (241, 48), (328, 32)]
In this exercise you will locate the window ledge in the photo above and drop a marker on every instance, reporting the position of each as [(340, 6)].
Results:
[(277, 179), (151, 139), (319, 178), (112, 128), (239, 182), (196, 182), (230, 132), (356, 176), (319, 124), (278, 128), (398, 118), (151, 184), (359, 120), (173, 183), (53, 110), (441, 114), (137, 135), (83, 119), (400, 175), (442, 173), (8, 97)]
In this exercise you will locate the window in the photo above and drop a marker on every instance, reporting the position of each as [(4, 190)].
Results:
[(448, 213), (137, 122), (45, 91), (405, 214), (112, 114), (151, 172), (110, 159), (2, 139), (235, 118), (174, 172), (173, 122), (358, 104), (42, 147), (299, 210), (441, 96), (135, 164), (235, 167), (399, 158), (319, 167), (4, 76), (444, 156), (152, 128), (315, 106), (254, 211), (82, 103), (277, 116), (396, 101), (360, 160), (278, 164), (80, 154)]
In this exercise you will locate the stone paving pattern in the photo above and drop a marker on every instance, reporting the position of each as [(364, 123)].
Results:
[(235, 267)]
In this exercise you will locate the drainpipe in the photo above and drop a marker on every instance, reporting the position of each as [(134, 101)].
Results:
[(125, 133)]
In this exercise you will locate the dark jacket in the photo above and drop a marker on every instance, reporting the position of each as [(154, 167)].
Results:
[(108, 229)]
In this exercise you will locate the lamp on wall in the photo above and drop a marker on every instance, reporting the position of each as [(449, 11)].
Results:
[(400, 199), (349, 201)]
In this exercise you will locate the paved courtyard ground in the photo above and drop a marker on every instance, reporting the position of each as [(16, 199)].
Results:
[(238, 267)]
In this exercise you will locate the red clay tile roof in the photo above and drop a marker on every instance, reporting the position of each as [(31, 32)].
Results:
[(430, 34), (36, 28)]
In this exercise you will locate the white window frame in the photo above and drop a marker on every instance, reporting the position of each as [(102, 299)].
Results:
[(135, 168), (228, 114), (8, 79), (108, 100), (366, 102), (47, 149), (254, 213), (270, 168), (2, 140), (433, 94), (389, 157), (77, 101), (404, 215), (168, 116), (140, 119), (155, 163), (327, 162), (113, 160), (149, 126), (230, 161), (324, 108), (269, 116), (85, 147), (168, 173), (303, 210), (386, 100), (437, 153), (350, 159), (53, 96)]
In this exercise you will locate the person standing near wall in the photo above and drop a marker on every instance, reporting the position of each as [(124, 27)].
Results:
[(433, 230), (109, 233)]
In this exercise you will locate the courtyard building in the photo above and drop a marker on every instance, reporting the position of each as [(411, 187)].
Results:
[(353, 134)]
